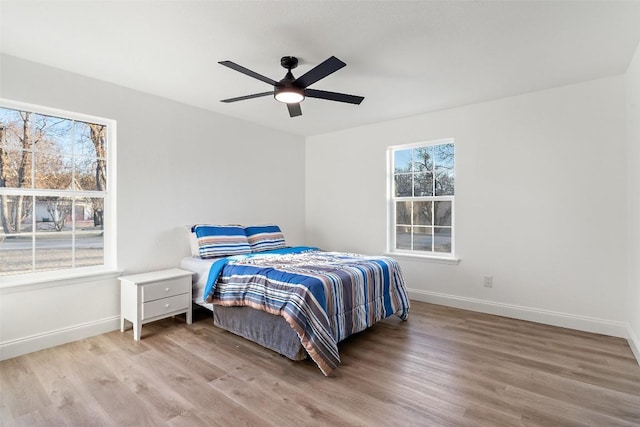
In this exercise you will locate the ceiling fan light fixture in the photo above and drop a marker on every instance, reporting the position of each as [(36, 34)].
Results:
[(292, 91), (289, 95)]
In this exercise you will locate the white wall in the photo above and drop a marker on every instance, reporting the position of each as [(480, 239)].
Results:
[(176, 165), (633, 195), (540, 191)]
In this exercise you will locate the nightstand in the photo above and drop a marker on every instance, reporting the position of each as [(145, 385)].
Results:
[(147, 297)]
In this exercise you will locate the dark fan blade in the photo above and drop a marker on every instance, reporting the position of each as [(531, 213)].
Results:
[(248, 72), (242, 98), (333, 96), (321, 71), (294, 110)]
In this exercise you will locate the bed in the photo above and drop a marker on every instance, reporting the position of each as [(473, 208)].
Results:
[(297, 301)]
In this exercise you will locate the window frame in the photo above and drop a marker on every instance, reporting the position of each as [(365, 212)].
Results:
[(108, 195), (392, 200)]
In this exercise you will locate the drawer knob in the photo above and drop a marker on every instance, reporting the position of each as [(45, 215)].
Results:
[(166, 289), (167, 305)]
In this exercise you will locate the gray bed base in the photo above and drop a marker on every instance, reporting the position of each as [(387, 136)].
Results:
[(268, 330)]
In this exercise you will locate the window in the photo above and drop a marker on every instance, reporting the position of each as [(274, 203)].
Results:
[(55, 190), (421, 209)]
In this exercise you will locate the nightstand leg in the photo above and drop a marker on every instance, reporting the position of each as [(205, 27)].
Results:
[(137, 331), (189, 317), (121, 323)]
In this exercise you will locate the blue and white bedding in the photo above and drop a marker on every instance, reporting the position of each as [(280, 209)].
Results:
[(323, 296)]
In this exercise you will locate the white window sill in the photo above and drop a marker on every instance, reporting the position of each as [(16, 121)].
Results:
[(424, 258), (29, 282)]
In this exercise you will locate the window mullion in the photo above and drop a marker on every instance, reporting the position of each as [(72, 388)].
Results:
[(433, 225), (73, 232), (33, 233), (73, 199), (33, 166), (44, 192)]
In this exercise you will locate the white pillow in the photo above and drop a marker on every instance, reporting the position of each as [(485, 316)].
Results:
[(193, 241)]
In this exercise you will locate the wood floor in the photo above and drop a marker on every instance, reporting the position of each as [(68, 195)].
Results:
[(441, 367)]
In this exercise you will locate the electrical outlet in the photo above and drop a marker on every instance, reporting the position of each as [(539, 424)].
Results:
[(488, 281)]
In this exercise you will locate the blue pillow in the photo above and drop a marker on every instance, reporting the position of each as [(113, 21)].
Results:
[(264, 237), (221, 240)]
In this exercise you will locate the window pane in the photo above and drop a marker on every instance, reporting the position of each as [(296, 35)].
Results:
[(53, 134), (16, 166), (15, 253), (423, 159), (444, 155), (422, 213), (53, 171), (83, 214), (444, 181), (423, 185), (53, 214), (442, 212), (83, 145), (402, 161), (403, 185), (403, 213), (9, 126), (89, 220), (97, 211), (422, 238), (89, 213), (442, 240), (89, 249), (91, 174), (403, 237), (53, 218), (9, 160), (15, 214), (444, 167), (53, 251)]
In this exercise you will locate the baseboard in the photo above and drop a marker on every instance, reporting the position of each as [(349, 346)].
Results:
[(634, 343), (13, 348), (571, 321)]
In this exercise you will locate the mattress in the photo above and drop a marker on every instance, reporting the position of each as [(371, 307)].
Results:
[(200, 269)]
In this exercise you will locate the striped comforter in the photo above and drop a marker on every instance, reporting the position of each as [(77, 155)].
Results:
[(324, 296)]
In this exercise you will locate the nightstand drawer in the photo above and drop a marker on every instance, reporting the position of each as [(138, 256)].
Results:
[(166, 288), (165, 305)]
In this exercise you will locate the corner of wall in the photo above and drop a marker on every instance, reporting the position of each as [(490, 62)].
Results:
[(633, 202), (634, 343)]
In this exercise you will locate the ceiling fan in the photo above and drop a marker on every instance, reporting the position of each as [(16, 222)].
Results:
[(291, 90)]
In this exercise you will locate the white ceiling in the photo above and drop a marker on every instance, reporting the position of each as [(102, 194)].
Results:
[(405, 58)]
